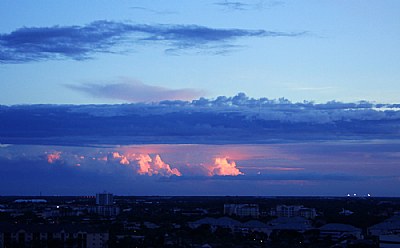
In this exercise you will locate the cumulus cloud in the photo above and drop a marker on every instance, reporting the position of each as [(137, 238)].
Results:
[(156, 166), (145, 164), (223, 167), (135, 91), (82, 42)]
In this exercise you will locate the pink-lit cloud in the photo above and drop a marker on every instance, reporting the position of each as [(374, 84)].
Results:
[(146, 165), (53, 157), (122, 159), (144, 161), (223, 167), (156, 166), (135, 91)]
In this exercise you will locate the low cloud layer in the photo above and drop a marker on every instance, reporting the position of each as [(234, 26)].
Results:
[(28, 44), (135, 91), (223, 120)]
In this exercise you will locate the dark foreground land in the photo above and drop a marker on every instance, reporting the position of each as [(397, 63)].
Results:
[(199, 222)]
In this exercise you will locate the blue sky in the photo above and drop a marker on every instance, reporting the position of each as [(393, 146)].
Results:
[(69, 51), (332, 53)]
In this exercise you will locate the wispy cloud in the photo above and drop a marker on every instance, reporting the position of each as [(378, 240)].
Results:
[(135, 91), (153, 11), (327, 88), (82, 42), (287, 177), (248, 5)]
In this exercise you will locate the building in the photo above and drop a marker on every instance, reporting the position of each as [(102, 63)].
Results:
[(104, 210), (53, 235), (255, 226), (337, 231), (30, 201), (294, 211), (223, 222), (242, 210), (388, 232), (104, 199), (389, 241), (104, 205), (389, 226), (298, 224)]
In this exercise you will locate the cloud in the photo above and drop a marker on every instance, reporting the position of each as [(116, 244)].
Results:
[(135, 91), (222, 167), (53, 157), (279, 168), (153, 11), (248, 5), (312, 88), (296, 177), (155, 166), (224, 120), (145, 164), (82, 42)]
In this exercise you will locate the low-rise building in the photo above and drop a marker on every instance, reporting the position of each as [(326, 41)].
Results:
[(299, 224), (294, 211), (40, 235), (336, 231), (389, 226), (105, 210), (242, 210), (223, 222)]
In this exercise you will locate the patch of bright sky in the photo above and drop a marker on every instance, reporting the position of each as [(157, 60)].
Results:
[(350, 51)]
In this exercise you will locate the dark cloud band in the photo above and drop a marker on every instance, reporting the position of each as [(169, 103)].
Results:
[(82, 42)]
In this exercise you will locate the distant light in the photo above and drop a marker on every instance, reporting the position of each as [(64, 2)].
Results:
[(368, 195), (58, 207), (348, 195), (355, 194)]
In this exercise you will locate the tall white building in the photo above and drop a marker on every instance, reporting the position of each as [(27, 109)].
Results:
[(104, 199)]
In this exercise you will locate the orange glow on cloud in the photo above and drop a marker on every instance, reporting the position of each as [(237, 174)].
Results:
[(124, 161), (53, 157), (155, 166), (144, 166), (147, 165), (222, 167), (116, 155)]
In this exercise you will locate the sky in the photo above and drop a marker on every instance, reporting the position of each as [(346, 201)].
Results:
[(212, 97), (305, 169), (71, 52)]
